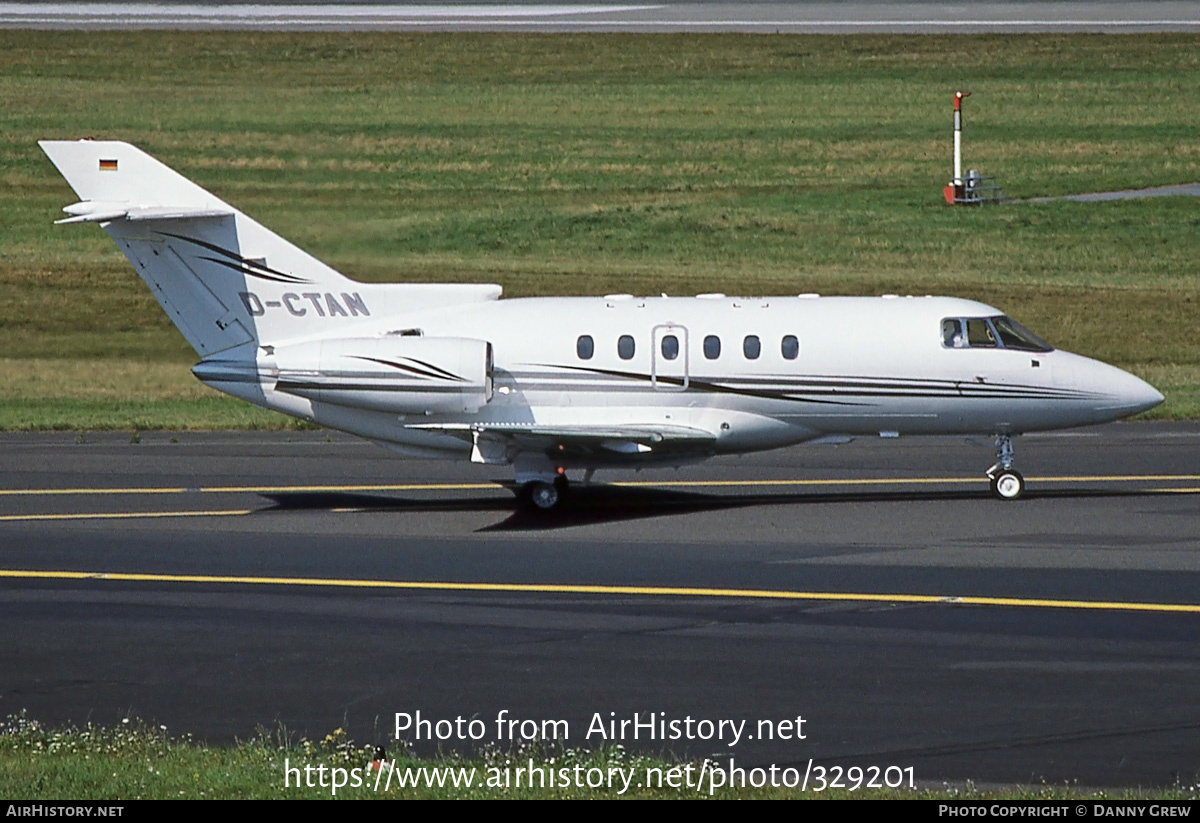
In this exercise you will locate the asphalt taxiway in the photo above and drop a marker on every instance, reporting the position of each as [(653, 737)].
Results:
[(219, 583)]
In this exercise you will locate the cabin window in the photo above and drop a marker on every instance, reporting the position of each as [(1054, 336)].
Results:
[(712, 347), (585, 347), (625, 347), (670, 347), (789, 347), (751, 347)]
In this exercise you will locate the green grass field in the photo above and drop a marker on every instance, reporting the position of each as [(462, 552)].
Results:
[(136, 760), (560, 164)]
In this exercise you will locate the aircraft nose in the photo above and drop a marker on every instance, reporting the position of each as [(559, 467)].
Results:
[(1126, 394), (1147, 397)]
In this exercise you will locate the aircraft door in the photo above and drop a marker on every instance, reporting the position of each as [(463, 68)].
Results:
[(669, 358)]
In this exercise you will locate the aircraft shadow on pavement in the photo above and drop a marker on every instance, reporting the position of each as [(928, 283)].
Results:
[(599, 503)]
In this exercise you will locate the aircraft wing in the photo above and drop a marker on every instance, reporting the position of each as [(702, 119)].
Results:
[(491, 441)]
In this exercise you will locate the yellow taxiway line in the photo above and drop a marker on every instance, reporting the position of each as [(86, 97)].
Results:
[(881, 481), (9, 518), (555, 588), (395, 487), (258, 489)]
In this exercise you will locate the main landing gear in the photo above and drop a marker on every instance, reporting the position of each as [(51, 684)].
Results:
[(544, 495), (1007, 482)]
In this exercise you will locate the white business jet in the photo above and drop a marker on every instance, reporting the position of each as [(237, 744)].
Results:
[(548, 385)]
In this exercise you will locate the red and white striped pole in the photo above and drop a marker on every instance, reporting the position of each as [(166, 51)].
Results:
[(958, 98), (955, 189)]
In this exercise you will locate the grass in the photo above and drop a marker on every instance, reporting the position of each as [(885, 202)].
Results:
[(88, 393), (136, 760), (565, 164)]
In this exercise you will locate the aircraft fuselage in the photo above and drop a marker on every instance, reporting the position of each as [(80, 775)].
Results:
[(754, 373)]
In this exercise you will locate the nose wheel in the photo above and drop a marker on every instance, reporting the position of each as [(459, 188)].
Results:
[(1006, 482)]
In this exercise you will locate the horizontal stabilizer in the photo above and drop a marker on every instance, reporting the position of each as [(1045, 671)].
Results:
[(88, 211)]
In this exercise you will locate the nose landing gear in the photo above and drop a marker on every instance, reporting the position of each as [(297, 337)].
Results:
[(1006, 482)]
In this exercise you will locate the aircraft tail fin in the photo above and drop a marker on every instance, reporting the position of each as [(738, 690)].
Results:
[(223, 279), (110, 171)]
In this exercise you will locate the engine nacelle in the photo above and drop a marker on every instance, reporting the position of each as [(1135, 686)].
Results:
[(399, 374)]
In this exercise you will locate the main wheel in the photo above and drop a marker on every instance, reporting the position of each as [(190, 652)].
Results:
[(1008, 484), (542, 496)]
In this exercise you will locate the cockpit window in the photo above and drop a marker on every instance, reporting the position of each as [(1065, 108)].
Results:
[(952, 336), (1015, 336), (990, 333), (979, 333)]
